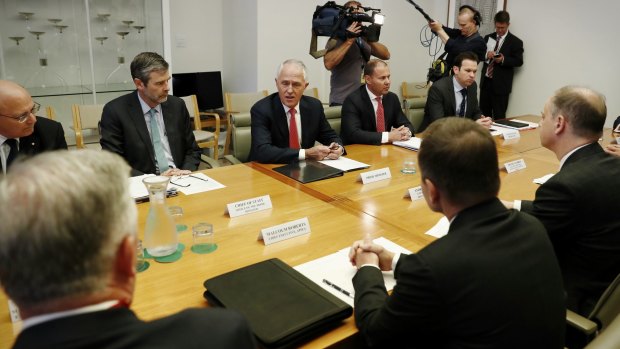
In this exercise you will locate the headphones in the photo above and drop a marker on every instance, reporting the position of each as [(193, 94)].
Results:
[(477, 15)]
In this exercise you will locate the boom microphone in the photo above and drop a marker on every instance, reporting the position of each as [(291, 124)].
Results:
[(428, 18)]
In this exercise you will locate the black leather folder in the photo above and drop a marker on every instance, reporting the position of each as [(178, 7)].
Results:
[(282, 306), (308, 171)]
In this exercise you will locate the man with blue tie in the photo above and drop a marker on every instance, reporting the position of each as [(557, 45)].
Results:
[(456, 95), (150, 129)]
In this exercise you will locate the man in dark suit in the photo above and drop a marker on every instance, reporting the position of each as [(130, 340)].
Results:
[(498, 69), (578, 204), (286, 125), (456, 95), (491, 282), (73, 276), (127, 123), (21, 131), (372, 114)]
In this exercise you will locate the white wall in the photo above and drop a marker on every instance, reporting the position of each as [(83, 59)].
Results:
[(566, 42)]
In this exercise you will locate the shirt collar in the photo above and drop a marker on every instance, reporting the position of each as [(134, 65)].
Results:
[(457, 86), (146, 108), (38, 319), (371, 95), (286, 109)]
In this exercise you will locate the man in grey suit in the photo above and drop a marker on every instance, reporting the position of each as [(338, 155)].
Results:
[(68, 260), (372, 114), (578, 205), (150, 129), (456, 95), (472, 288)]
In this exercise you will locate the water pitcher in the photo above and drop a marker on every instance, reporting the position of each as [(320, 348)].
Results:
[(160, 235)]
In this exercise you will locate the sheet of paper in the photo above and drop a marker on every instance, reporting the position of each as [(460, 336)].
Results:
[(137, 189), (194, 183), (543, 179), (490, 46), (413, 143), (345, 164), (440, 229), (336, 269)]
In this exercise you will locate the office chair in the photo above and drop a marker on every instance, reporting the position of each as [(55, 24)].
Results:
[(86, 117), (238, 103)]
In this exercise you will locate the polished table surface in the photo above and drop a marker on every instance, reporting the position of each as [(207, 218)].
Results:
[(340, 210)]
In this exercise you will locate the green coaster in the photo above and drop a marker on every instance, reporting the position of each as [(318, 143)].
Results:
[(180, 249), (143, 266), (204, 248), (170, 258), (181, 228)]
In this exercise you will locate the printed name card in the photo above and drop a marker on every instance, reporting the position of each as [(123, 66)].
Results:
[(14, 312), (516, 165), (285, 231), (240, 208), (511, 134), (376, 175), (414, 193)]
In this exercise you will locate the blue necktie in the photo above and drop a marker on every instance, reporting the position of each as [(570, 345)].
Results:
[(463, 101), (160, 155)]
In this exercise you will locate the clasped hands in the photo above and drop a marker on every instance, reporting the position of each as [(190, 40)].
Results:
[(367, 252), (175, 172), (399, 134), (322, 152)]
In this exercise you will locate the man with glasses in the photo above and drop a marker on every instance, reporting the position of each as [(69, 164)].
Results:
[(21, 131)]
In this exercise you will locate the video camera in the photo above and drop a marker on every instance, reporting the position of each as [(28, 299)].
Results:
[(332, 20)]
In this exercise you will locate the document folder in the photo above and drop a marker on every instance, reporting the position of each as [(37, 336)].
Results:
[(282, 306), (308, 171)]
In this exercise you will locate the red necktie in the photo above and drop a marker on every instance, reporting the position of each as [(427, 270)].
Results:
[(492, 63), (293, 137), (380, 116)]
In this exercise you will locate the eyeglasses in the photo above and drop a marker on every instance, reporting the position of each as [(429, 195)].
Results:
[(22, 118)]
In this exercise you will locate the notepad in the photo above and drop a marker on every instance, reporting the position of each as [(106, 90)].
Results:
[(308, 171), (412, 143)]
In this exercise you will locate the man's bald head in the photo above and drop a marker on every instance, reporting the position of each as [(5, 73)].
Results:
[(14, 102)]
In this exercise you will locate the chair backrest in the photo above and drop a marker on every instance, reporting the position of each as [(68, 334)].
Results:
[(608, 306), (608, 339), (242, 102), (333, 116), (241, 135), (85, 117), (312, 92), (50, 113), (414, 89), (414, 110), (192, 107)]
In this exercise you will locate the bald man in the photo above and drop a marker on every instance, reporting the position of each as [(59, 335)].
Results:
[(21, 131)]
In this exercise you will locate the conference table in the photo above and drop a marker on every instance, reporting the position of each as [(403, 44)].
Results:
[(340, 210)]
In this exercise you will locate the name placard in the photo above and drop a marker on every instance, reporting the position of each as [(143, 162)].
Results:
[(511, 134), (14, 312), (285, 231), (516, 165), (376, 175), (414, 193), (240, 208)]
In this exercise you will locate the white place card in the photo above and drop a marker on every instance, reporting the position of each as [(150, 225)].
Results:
[(376, 175), (285, 231), (14, 312), (511, 134), (414, 193), (543, 179), (240, 208), (516, 165)]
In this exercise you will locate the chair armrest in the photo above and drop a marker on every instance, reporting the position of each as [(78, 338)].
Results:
[(233, 160), (581, 323), (216, 116), (211, 162)]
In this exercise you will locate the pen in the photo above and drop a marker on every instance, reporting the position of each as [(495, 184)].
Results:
[(337, 288), (202, 179)]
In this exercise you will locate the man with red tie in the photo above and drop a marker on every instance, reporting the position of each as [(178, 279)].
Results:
[(372, 114), (286, 124)]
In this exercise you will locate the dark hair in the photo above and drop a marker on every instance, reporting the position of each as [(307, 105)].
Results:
[(369, 69), (584, 109), (502, 17), (458, 61), (348, 4), (145, 63), (476, 15), (459, 156)]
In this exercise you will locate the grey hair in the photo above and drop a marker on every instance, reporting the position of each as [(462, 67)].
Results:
[(584, 108), (292, 61), (64, 214), (146, 62)]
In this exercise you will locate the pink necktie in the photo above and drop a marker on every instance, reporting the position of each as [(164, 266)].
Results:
[(492, 64), (293, 137), (380, 116)]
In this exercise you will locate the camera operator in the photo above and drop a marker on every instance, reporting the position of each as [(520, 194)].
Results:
[(346, 59), (464, 39)]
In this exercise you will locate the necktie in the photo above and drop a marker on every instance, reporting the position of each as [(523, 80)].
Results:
[(160, 155), (293, 137), (463, 101), (12, 143), (492, 63), (380, 116)]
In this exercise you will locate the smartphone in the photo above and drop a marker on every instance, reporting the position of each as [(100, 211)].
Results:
[(497, 55)]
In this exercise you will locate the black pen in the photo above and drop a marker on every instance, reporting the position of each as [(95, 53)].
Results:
[(202, 179), (337, 288)]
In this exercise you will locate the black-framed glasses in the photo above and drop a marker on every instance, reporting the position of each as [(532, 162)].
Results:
[(22, 118)]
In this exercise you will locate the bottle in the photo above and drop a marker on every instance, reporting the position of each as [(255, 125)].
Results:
[(160, 235)]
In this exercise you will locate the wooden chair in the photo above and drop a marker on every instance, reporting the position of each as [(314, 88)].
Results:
[(50, 113), (204, 139), (86, 117), (312, 92), (238, 103), (414, 89)]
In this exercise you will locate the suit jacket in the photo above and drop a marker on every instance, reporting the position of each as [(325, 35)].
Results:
[(358, 117), (124, 131), (120, 328), (441, 102), (512, 49), (578, 206), (492, 282), (270, 138)]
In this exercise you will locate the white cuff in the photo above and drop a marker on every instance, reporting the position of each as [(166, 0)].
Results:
[(395, 261), (385, 137), (302, 154), (517, 205)]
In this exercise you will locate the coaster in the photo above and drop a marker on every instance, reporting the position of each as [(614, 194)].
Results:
[(181, 228), (170, 258), (143, 266), (204, 248)]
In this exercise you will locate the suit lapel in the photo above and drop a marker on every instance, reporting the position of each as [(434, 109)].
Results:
[(136, 116), (279, 118), (171, 133), (452, 96), (369, 110), (306, 124)]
